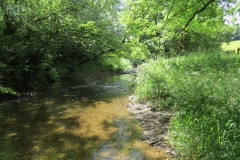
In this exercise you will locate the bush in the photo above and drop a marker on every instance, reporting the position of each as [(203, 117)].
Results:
[(104, 64), (203, 89)]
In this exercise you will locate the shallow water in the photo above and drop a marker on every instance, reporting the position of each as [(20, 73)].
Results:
[(74, 120)]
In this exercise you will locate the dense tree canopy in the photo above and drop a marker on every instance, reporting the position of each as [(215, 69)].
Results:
[(171, 27), (44, 40)]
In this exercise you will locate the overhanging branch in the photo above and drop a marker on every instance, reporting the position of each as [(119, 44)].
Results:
[(194, 15), (50, 14), (199, 11)]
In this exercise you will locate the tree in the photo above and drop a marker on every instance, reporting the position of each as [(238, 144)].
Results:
[(175, 26), (43, 41)]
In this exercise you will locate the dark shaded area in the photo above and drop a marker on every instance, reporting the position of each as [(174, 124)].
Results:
[(42, 45)]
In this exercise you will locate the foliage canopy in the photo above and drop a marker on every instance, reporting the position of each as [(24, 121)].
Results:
[(172, 27), (44, 41)]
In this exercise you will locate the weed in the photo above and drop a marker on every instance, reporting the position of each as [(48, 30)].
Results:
[(204, 89)]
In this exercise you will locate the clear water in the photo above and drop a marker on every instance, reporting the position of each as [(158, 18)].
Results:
[(74, 120)]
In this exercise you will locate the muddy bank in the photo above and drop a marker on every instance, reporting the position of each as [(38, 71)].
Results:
[(155, 124)]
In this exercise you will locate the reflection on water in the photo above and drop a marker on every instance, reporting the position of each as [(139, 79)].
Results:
[(73, 120)]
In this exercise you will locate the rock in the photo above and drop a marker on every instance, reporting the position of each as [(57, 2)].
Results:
[(155, 123)]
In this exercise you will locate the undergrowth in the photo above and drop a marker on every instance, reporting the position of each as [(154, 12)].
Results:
[(103, 65), (6, 90), (204, 92)]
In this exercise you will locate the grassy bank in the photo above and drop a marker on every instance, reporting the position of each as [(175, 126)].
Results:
[(204, 92), (232, 46)]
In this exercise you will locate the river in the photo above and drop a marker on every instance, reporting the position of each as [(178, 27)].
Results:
[(74, 120)]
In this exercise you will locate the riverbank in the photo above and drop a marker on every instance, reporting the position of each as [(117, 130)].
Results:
[(155, 124)]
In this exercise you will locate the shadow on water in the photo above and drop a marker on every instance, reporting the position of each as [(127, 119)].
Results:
[(73, 120)]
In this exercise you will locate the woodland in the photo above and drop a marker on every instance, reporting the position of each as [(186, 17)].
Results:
[(177, 43), (45, 41)]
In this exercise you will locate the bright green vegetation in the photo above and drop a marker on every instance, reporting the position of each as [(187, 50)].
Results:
[(203, 90), (232, 46), (104, 65), (176, 27), (5, 90), (45, 41)]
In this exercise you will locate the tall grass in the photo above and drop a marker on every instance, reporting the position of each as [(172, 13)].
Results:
[(204, 91)]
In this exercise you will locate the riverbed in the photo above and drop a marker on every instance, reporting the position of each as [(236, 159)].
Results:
[(74, 119)]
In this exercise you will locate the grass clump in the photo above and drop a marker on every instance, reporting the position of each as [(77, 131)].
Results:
[(204, 91)]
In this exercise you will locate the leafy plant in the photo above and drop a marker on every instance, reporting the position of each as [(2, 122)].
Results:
[(103, 65), (44, 41), (202, 89), (174, 27)]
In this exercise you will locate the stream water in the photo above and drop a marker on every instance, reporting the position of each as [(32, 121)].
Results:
[(74, 120)]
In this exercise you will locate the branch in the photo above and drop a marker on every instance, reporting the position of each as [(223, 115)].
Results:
[(186, 3), (90, 58), (48, 15), (105, 4), (185, 9), (199, 11), (194, 15)]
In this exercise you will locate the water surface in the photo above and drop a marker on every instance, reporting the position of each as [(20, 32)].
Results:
[(74, 120)]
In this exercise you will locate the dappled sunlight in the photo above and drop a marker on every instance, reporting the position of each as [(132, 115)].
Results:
[(232, 46), (149, 153), (51, 127)]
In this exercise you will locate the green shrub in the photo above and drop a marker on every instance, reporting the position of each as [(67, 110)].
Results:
[(7, 91), (104, 64), (204, 91)]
